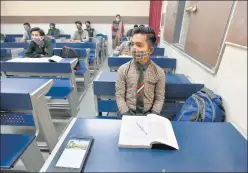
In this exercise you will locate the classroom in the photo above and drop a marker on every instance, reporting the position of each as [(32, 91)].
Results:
[(123, 86)]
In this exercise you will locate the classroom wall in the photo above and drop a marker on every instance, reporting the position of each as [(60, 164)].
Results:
[(230, 81), (74, 8), (65, 13)]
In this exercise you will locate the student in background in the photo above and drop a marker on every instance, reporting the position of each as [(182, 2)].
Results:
[(2, 38), (91, 31), (80, 35), (129, 32), (117, 31), (142, 25), (27, 32), (140, 86), (53, 32), (39, 46), (123, 49)]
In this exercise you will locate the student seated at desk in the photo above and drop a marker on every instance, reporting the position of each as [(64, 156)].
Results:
[(140, 85), (123, 49), (91, 31), (80, 35), (2, 38), (53, 32), (39, 46), (27, 32)]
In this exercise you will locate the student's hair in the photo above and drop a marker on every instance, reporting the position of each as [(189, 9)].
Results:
[(135, 25), (151, 36), (118, 16), (27, 24), (78, 22), (42, 33), (142, 25), (87, 22), (52, 24)]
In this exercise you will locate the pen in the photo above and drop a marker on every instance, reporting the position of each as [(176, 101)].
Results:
[(141, 128)]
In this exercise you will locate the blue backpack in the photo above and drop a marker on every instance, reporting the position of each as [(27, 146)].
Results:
[(202, 106)]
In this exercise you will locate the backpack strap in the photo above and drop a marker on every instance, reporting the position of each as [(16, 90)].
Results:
[(208, 92)]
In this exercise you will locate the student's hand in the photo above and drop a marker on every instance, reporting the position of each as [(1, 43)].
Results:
[(77, 41), (71, 41)]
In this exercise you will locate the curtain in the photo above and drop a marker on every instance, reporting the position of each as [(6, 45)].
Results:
[(155, 16)]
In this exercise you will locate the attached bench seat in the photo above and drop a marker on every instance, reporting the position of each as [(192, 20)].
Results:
[(61, 88), (14, 45), (5, 53), (80, 53), (12, 148), (178, 88), (92, 56), (14, 145), (12, 37), (105, 86), (17, 119)]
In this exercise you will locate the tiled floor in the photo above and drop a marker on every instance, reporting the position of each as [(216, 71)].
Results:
[(87, 105)]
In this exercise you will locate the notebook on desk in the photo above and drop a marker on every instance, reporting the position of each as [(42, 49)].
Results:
[(147, 132), (43, 59)]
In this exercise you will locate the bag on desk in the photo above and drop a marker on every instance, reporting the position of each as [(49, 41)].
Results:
[(202, 106), (68, 52)]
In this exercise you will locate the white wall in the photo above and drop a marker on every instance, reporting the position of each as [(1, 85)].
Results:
[(230, 81), (75, 8)]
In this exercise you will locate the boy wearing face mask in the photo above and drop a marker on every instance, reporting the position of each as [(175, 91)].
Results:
[(117, 31), (91, 31), (80, 35), (39, 46), (140, 86), (53, 32), (27, 32)]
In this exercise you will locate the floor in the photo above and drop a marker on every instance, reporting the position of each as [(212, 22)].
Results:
[(87, 109)]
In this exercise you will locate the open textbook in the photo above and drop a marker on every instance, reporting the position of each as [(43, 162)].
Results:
[(44, 59), (147, 132)]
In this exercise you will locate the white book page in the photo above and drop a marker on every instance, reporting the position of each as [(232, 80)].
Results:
[(29, 60), (73, 154), (125, 56), (56, 58), (159, 129), (131, 135)]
